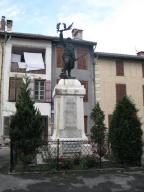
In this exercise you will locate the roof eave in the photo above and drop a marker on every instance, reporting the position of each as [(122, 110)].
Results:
[(104, 55)]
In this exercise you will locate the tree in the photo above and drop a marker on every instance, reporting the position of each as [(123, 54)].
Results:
[(98, 128), (125, 134), (26, 126)]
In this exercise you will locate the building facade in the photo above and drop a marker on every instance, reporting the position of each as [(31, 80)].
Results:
[(117, 75), (20, 53), (39, 57)]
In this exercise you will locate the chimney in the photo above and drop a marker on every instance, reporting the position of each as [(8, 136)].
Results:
[(3, 23), (9, 25), (77, 34), (140, 53)]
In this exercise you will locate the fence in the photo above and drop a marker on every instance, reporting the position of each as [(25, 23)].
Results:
[(67, 154)]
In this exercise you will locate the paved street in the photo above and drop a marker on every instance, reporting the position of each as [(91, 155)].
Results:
[(100, 181)]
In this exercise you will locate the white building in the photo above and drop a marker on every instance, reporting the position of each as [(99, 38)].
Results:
[(25, 55)]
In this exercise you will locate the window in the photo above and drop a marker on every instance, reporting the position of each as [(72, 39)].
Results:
[(82, 55), (42, 90), (119, 68), (59, 54), (85, 83), (14, 88), (142, 69), (120, 91), (6, 126), (39, 90), (85, 123), (28, 60)]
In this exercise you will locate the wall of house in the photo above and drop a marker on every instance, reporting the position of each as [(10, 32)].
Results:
[(106, 80), (8, 108)]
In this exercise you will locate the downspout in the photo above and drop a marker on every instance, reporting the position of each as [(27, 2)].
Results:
[(94, 68), (2, 61)]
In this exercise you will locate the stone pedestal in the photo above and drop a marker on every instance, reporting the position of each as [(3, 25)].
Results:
[(69, 118), (68, 109)]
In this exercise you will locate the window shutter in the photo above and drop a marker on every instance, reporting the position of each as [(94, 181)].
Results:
[(120, 91), (85, 123), (85, 83), (59, 54), (48, 91), (119, 68), (12, 91), (82, 55), (18, 85), (31, 86), (142, 69)]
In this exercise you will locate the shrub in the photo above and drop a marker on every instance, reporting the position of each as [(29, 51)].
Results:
[(88, 162), (125, 134)]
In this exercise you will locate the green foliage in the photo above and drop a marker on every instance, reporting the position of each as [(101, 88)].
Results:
[(88, 161), (125, 134), (98, 128), (67, 163), (25, 126)]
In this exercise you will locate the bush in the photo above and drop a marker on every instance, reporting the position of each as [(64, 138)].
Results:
[(98, 129), (26, 126), (125, 134), (88, 162)]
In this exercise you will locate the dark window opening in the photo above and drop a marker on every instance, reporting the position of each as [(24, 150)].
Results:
[(28, 60), (120, 91), (119, 68)]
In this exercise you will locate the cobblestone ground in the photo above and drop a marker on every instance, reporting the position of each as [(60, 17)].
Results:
[(94, 180)]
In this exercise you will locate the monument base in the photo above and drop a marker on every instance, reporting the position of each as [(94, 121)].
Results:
[(69, 118)]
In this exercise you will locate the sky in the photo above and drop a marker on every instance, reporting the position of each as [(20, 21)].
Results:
[(116, 25)]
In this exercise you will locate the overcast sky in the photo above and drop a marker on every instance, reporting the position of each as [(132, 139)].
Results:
[(116, 25)]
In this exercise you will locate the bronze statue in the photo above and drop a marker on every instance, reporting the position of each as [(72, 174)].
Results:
[(68, 55)]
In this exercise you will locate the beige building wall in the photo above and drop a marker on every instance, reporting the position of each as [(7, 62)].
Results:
[(106, 80)]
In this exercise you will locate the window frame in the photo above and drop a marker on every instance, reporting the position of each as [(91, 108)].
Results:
[(120, 91), (119, 67), (15, 87), (39, 90), (82, 56)]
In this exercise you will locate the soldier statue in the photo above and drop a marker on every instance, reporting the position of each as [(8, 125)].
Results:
[(68, 55)]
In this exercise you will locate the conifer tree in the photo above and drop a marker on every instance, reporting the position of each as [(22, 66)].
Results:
[(125, 134), (98, 128), (26, 125)]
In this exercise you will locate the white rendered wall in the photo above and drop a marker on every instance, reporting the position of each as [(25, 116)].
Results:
[(8, 108)]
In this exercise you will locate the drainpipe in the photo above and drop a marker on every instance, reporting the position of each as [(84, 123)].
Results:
[(94, 68), (96, 60), (2, 61)]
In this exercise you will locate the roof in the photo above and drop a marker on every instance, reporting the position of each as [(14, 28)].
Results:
[(44, 37), (104, 55)]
